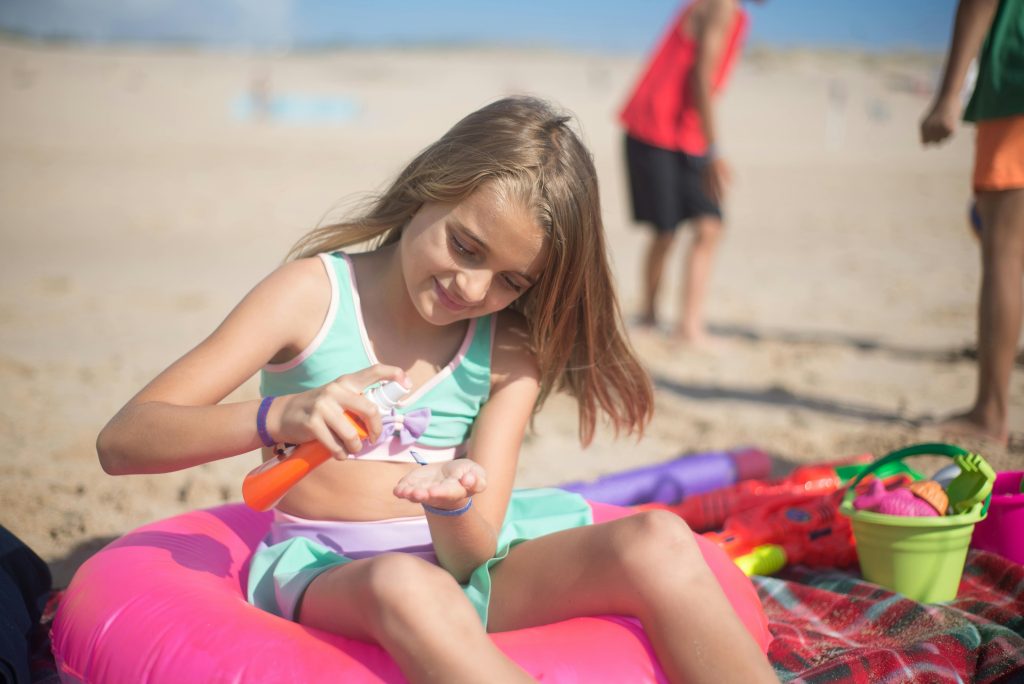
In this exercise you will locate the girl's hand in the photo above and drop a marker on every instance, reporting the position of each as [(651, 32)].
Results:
[(319, 414), (443, 485)]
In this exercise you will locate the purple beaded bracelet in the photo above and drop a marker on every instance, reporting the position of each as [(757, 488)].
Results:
[(261, 421), (448, 513)]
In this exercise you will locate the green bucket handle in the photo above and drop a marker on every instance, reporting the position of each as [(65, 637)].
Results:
[(929, 449)]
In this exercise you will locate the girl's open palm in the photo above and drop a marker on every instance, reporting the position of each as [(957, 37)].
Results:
[(443, 485)]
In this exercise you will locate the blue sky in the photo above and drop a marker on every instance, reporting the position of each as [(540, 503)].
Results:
[(592, 25)]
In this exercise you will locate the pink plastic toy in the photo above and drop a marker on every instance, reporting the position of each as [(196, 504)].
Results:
[(1002, 531), (899, 501), (165, 604)]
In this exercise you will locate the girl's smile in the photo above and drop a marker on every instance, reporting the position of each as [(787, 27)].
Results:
[(448, 301)]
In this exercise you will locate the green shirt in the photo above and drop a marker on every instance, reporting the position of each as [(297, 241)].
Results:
[(999, 91)]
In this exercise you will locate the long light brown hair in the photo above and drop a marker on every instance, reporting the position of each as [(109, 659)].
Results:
[(528, 150)]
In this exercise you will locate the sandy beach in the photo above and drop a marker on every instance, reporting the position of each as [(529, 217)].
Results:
[(139, 203)]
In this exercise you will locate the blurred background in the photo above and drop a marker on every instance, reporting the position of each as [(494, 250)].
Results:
[(875, 25), (158, 158)]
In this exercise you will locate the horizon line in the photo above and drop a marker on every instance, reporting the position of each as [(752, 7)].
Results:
[(306, 47)]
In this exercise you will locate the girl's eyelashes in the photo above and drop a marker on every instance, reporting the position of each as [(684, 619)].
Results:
[(459, 246), (513, 285)]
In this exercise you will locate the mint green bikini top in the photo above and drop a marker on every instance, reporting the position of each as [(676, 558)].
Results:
[(454, 396)]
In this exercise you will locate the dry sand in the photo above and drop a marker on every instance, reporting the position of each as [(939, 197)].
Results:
[(135, 210)]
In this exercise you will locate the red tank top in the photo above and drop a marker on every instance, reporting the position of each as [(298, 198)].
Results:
[(662, 110)]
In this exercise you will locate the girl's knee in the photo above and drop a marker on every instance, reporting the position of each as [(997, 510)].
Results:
[(396, 578), (661, 526), (406, 592), (652, 541)]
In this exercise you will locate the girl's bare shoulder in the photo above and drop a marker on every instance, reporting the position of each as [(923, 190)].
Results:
[(300, 286), (513, 353), (305, 275), (293, 300)]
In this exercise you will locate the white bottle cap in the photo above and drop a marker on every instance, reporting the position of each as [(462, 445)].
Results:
[(388, 395)]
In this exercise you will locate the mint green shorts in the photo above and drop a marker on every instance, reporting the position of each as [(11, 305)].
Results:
[(296, 551)]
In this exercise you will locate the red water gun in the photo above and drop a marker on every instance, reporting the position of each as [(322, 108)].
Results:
[(804, 528), (710, 510)]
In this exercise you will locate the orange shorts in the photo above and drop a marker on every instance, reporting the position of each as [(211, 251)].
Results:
[(999, 154)]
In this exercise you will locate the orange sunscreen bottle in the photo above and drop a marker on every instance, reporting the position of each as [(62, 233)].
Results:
[(265, 485)]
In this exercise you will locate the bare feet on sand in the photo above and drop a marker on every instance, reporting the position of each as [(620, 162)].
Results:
[(676, 338), (969, 425), (647, 322), (696, 339)]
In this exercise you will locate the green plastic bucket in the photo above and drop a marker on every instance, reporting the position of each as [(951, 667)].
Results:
[(920, 557)]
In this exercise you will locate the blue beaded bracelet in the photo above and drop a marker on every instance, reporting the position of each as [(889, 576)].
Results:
[(449, 513), (261, 421)]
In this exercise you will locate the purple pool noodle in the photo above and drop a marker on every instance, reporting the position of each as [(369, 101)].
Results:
[(668, 482)]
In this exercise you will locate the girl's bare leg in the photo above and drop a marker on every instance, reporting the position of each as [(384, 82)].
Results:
[(413, 609), (647, 566)]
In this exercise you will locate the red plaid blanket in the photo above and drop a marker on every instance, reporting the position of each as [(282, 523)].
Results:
[(831, 626)]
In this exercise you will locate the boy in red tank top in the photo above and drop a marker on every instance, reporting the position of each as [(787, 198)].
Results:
[(676, 173)]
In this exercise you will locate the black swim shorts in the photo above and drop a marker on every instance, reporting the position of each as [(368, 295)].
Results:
[(667, 186)]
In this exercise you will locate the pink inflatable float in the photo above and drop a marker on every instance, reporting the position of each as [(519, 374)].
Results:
[(165, 603)]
